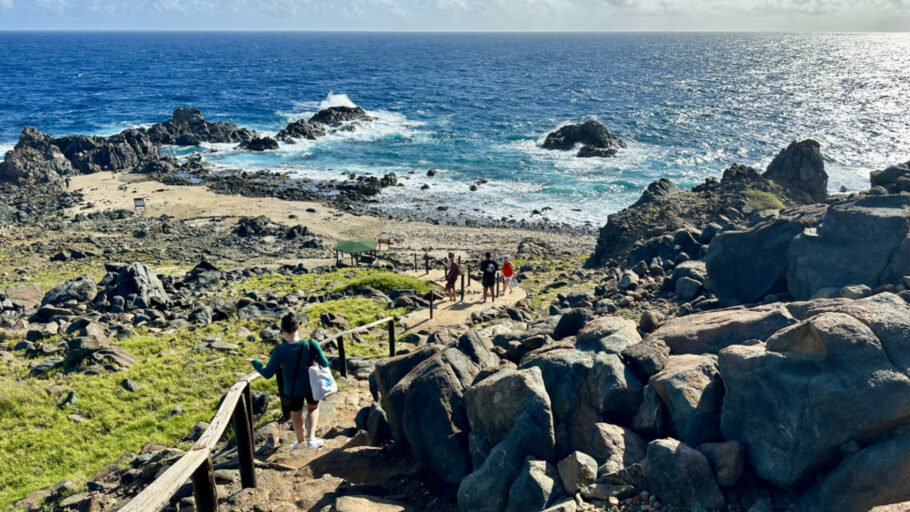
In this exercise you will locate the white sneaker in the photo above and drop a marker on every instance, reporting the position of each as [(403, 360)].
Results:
[(314, 443), (295, 445)]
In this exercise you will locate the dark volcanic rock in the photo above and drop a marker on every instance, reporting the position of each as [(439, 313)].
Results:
[(594, 137), (35, 160), (124, 151), (749, 265), (866, 241), (814, 387), (894, 179), (259, 144), (800, 170), (187, 127), (664, 210), (337, 115), (301, 129), (139, 285)]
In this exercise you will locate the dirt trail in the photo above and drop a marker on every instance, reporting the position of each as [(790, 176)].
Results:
[(346, 474), (447, 313)]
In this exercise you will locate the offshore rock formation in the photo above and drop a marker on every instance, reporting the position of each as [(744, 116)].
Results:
[(325, 121), (800, 170), (594, 137), (187, 127)]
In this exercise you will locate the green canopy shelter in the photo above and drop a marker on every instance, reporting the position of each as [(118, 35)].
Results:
[(355, 247)]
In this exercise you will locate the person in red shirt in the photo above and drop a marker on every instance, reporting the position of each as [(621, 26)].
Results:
[(508, 272)]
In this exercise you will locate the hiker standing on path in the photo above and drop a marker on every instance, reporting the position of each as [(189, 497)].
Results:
[(508, 272), (294, 357), (489, 268), (453, 271)]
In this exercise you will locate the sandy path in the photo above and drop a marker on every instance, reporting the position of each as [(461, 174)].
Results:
[(447, 313), (106, 191)]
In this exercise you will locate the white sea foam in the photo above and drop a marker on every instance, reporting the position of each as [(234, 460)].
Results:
[(336, 100), (4, 147)]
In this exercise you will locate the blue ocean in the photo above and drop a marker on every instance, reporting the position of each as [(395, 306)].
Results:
[(477, 106)]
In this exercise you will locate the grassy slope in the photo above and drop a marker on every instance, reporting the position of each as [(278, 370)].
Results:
[(46, 446)]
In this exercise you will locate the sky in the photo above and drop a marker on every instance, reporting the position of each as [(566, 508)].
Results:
[(457, 15)]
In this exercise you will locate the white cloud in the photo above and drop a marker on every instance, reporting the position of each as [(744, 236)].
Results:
[(55, 6), (6, 4)]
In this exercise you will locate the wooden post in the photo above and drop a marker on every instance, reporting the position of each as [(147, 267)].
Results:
[(432, 296), (468, 270), (392, 338), (426, 262), (497, 286), (248, 397), (462, 287), (244, 444), (204, 489), (415, 262), (342, 358)]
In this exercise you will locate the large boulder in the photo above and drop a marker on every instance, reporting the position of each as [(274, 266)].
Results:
[(187, 127), (873, 476), (81, 289), (259, 144), (140, 287), (593, 136), (681, 476), (615, 447), (494, 404), (429, 410), (35, 160), (537, 487), (709, 332), (859, 242), (607, 333), (749, 265), (571, 323), (479, 348), (811, 389), (691, 390), (488, 488), (389, 372), (586, 388), (800, 170), (894, 179)]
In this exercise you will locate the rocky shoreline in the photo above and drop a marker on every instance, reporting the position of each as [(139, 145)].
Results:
[(741, 346)]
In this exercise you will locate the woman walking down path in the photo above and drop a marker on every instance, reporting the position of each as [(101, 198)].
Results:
[(294, 358), (508, 272)]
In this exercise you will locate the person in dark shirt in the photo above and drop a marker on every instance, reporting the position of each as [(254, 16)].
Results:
[(294, 357), (489, 268), (453, 271)]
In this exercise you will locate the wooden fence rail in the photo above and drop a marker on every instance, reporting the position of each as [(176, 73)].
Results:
[(237, 409)]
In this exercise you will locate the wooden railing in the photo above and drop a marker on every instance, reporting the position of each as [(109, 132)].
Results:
[(237, 409)]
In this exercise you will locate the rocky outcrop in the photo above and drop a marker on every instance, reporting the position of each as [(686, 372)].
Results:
[(187, 127), (800, 170), (126, 150), (711, 331), (894, 179), (691, 390), (259, 144), (664, 210), (139, 288), (301, 129), (749, 265), (334, 116), (594, 137), (35, 160), (39, 159), (863, 241), (818, 386)]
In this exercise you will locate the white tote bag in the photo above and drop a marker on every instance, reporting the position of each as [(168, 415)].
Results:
[(321, 382)]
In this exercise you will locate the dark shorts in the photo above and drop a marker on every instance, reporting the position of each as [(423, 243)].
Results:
[(489, 282), (296, 403)]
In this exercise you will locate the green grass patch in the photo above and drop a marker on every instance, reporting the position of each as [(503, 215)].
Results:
[(358, 310), (388, 281), (42, 445), (758, 200)]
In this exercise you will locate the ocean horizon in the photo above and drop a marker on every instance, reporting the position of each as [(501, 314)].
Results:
[(477, 105)]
